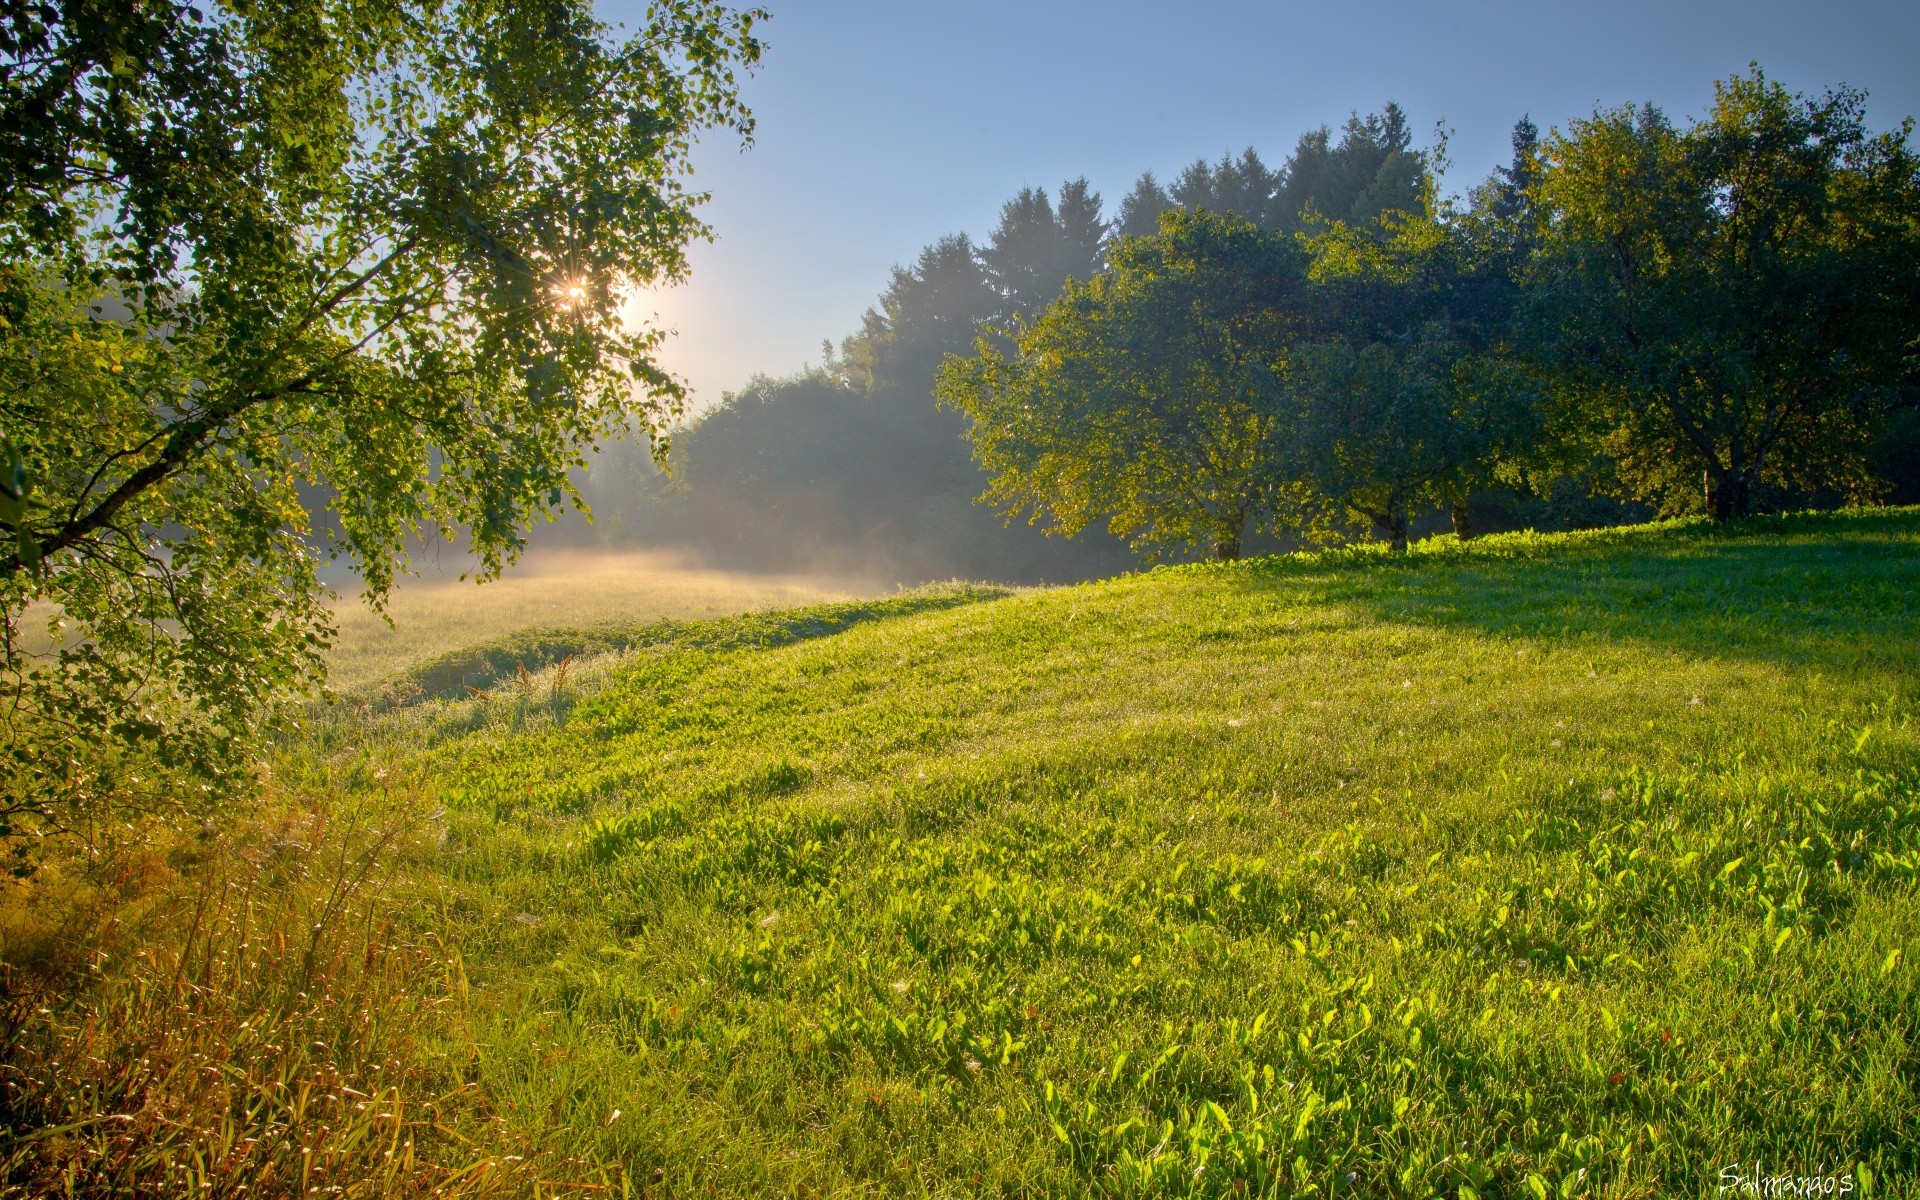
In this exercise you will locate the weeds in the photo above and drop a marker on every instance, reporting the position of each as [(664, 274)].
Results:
[(245, 1013)]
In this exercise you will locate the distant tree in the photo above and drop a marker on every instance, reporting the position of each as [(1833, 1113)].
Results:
[(1140, 210), (1084, 229), (1242, 187), (1733, 301), (1036, 248), (252, 252), (1373, 170), (931, 309), (1147, 396), (1514, 185)]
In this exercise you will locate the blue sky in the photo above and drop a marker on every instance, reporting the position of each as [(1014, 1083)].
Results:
[(883, 126)]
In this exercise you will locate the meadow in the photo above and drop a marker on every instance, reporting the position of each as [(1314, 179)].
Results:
[(1564, 866), (1578, 865), (426, 618)]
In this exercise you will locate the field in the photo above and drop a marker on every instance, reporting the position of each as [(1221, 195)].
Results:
[(433, 616), (1582, 865), (1537, 867)]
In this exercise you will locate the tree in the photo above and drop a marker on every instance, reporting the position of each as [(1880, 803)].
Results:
[(1373, 170), (1141, 208), (1407, 393), (374, 249), (1242, 187), (1146, 396), (1036, 248), (1733, 300), (929, 310)]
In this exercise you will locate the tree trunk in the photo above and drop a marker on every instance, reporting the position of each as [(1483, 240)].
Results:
[(1462, 520), (1727, 495), (1227, 548), (1391, 528)]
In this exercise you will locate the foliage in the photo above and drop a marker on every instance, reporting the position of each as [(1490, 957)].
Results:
[(1559, 866), (1146, 396), (929, 310), (374, 249), (814, 473), (1037, 247), (1408, 395), (1733, 300), (1371, 171), (850, 466)]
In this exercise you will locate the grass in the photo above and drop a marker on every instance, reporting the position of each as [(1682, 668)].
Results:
[(1539, 867), (433, 618), (246, 1011)]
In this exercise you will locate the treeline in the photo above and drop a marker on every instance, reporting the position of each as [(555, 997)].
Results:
[(1631, 318)]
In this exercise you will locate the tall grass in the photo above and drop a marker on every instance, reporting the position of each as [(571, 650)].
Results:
[(1570, 867), (253, 1010)]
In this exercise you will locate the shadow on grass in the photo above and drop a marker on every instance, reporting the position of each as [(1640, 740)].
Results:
[(480, 666), (1834, 590)]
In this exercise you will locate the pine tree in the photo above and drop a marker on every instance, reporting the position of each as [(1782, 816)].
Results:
[(1140, 211)]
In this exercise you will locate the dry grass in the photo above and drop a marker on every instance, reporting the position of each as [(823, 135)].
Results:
[(557, 588), (251, 1013)]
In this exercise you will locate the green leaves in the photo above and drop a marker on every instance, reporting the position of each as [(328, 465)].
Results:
[(14, 486), (1146, 396), (263, 259), (1730, 301)]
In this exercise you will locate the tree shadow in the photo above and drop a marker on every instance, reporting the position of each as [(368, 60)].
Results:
[(1835, 590), (451, 675)]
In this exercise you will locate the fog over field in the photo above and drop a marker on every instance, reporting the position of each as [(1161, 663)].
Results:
[(439, 611)]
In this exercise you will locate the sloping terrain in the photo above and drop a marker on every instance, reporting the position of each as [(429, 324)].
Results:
[(1543, 866)]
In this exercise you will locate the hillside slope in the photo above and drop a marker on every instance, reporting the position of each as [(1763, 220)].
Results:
[(1581, 865)]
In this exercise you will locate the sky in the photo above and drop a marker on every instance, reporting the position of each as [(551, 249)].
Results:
[(884, 126)]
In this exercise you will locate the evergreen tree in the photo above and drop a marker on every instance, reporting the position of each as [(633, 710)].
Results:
[(1242, 187), (1083, 231), (1035, 249), (1140, 210), (1371, 171), (929, 310)]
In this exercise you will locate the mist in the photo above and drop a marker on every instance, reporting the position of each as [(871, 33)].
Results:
[(847, 469)]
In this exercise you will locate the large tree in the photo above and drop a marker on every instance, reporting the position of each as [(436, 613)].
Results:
[(1407, 394), (374, 251), (1146, 396), (1733, 300)]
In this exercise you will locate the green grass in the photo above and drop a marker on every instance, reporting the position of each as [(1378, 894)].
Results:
[(434, 618), (1544, 866)]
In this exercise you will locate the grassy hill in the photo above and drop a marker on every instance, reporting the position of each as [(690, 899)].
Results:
[(1537, 867), (1565, 866)]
